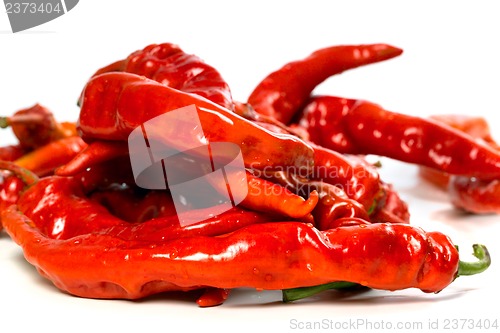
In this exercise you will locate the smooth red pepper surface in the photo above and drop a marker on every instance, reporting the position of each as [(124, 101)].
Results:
[(283, 93)]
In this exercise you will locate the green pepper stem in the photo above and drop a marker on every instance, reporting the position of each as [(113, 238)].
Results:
[(290, 295), (28, 177), (4, 122), (476, 267)]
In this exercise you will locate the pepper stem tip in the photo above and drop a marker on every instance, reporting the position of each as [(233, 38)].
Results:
[(4, 122), (476, 267)]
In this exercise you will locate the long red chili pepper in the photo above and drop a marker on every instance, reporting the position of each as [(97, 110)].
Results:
[(284, 93), (45, 159), (361, 127), (169, 65), (266, 256), (126, 101)]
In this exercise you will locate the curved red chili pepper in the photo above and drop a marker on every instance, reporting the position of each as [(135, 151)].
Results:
[(284, 92), (361, 127), (125, 101), (36, 126), (94, 153), (66, 198), (45, 159), (264, 256), (169, 65)]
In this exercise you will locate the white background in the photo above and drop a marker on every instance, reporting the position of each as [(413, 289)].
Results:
[(449, 65)]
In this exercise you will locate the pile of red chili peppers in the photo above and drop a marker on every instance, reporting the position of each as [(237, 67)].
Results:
[(317, 215)]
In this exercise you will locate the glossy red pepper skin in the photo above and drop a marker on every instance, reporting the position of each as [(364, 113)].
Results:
[(284, 93), (11, 152), (361, 127), (264, 256), (474, 195), (36, 126), (67, 199), (359, 180), (127, 204), (471, 194), (10, 190), (126, 101), (45, 159), (168, 64)]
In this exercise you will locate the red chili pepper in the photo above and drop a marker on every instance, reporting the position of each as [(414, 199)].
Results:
[(475, 195), (284, 93), (359, 180), (93, 154), (333, 205), (10, 189), (472, 194), (169, 65), (12, 152), (360, 127), (126, 101), (265, 256), (390, 208), (45, 159), (36, 126), (125, 203)]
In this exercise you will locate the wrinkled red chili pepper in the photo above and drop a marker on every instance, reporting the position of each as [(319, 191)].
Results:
[(169, 65), (361, 127), (126, 101), (36, 126), (66, 198), (284, 93), (265, 256), (353, 174), (126, 204), (73, 231), (266, 196), (333, 205)]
